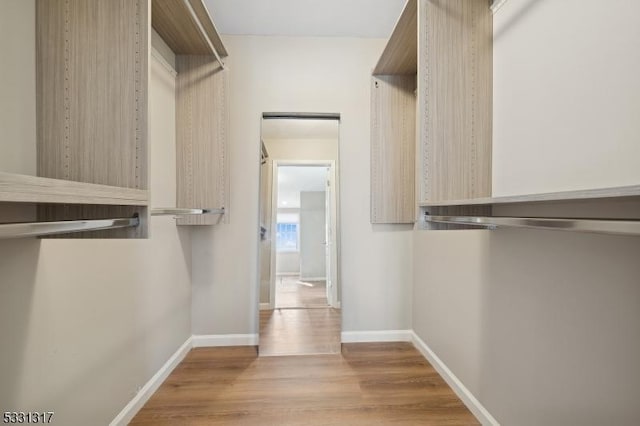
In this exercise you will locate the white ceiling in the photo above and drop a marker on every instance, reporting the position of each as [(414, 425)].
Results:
[(299, 129), (293, 179), (311, 18)]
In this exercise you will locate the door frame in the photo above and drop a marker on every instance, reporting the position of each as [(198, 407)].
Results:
[(335, 213)]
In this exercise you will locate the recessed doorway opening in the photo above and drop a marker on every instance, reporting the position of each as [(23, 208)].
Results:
[(299, 233)]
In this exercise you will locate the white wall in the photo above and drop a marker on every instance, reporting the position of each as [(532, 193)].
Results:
[(566, 95), (302, 149), (301, 74), (544, 327), (85, 323), (312, 235), (18, 91), (287, 263)]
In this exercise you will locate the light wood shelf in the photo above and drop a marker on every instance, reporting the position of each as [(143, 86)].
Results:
[(201, 107), (172, 20), (432, 89), (400, 56), (587, 194), (15, 188)]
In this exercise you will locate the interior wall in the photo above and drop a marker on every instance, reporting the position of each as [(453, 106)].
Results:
[(287, 262), (18, 88), (302, 149), (566, 99), (84, 324), (301, 74), (543, 327), (312, 235)]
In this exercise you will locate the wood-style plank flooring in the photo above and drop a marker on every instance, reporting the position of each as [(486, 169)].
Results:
[(291, 292), (368, 384), (300, 331), (303, 323)]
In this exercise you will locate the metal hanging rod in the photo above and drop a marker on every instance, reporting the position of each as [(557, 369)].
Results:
[(37, 229), (172, 211), (203, 32), (600, 226), (301, 115)]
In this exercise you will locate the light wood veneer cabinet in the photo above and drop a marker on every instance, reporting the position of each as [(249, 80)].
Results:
[(91, 109), (431, 109), (202, 109)]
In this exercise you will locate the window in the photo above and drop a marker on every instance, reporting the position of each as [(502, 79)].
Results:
[(287, 237)]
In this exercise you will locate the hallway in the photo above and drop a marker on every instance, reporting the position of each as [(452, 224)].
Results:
[(369, 383), (302, 324), (292, 292)]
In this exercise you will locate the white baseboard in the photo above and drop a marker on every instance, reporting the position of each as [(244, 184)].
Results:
[(458, 387), (131, 409), (265, 306), (213, 340), (377, 336)]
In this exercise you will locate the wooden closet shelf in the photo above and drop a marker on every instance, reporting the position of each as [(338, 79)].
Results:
[(172, 20), (400, 56), (15, 188), (588, 194)]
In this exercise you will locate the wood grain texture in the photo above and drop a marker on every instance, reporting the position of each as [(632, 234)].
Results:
[(92, 96), (32, 189), (457, 45), (393, 135), (368, 384), (292, 292), (300, 331), (422, 127), (92, 73), (209, 25), (172, 20), (586, 194), (202, 137), (400, 56)]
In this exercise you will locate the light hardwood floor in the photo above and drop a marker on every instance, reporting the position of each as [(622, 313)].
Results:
[(368, 384), (300, 331), (292, 292)]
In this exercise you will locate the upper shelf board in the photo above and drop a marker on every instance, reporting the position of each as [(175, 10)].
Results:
[(17, 188), (587, 194), (400, 56), (172, 20)]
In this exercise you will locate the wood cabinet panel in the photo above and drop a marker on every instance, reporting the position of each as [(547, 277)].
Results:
[(91, 102), (393, 133), (456, 73), (92, 91), (202, 140)]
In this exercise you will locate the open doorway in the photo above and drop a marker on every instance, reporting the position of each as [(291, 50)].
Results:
[(299, 228)]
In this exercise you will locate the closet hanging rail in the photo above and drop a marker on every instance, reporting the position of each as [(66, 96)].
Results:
[(184, 212), (600, 226), (37, 229), (203, 32)]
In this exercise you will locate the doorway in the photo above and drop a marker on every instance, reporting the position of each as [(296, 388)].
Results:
[(299, 234)]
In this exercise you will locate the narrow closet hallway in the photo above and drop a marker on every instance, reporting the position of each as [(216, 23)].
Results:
[(369, 383), (320, 212)]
